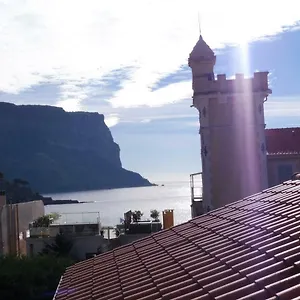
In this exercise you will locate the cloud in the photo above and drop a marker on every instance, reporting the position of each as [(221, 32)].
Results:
[(133, 94), (76, 45), (146, 121), (180, 116), (111, 120), (282, 107)]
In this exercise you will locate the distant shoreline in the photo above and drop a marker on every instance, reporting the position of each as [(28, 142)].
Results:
[(104, 189), (58, 202), (48, 200)]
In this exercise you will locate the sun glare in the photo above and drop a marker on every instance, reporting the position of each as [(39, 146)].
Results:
[(69, 105), (111, 120)]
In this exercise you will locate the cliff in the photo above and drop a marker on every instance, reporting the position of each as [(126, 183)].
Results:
[(58, 151), (19, 191)]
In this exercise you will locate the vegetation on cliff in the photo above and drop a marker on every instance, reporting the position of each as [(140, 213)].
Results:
[(18, 191)]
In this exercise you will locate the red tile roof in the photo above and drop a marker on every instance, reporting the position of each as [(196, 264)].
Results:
[(283, 140), (249, 249)]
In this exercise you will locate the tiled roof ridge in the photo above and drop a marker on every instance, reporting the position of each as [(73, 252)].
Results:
[(283, 153), (119, 281), (230, 252), (283, 141), (283, 128), (146, 268)]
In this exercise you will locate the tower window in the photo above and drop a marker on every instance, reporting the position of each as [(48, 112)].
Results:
[(210, 77), (204, 151)]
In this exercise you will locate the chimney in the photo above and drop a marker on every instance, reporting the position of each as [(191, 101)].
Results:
[(168, 218), (296, 176)]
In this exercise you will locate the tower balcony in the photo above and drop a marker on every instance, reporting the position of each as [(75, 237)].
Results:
[(196, 194)]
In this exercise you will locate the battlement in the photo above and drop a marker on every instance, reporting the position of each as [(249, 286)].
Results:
[(240, 84)]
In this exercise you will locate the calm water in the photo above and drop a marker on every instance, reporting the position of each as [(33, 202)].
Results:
[(111, 204)]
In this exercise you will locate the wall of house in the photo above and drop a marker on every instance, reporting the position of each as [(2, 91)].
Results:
[(15, 221), (35, 245), (281, 167), (82, 245), (129, 238)]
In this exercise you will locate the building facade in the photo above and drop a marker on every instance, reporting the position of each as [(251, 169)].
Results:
[(283, 154), (232, 130), (14, 221)]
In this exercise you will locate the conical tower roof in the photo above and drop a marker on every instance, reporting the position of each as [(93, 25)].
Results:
[(201, 49)]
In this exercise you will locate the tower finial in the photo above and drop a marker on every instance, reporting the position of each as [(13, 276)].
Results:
[(199, 22)]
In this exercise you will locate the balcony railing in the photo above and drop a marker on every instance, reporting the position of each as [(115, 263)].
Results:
[(196, 186), (196, 194), (72, 224), (78, 218), (70, 230)]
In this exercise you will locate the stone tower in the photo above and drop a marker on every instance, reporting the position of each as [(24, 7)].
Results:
[(232, 130)]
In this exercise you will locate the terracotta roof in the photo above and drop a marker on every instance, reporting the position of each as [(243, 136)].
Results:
[(283, 140), (249, 249)]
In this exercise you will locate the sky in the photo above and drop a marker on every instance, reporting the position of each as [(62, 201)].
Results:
[(128, 61)]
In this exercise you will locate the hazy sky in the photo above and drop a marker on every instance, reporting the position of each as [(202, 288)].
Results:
[(128, 60)]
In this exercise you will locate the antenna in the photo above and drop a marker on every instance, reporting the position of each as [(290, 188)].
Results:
[(199, 23)]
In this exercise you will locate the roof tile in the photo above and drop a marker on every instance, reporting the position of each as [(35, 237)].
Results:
[(283, 140), (249, 249), (282, 282), (289, 293)]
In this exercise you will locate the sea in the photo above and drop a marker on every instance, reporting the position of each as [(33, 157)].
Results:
[(109, 206)]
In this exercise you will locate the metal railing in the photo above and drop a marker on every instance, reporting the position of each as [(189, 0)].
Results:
[(75, 230), (76, 224), (78, 218), (196, 195), (196, 187)]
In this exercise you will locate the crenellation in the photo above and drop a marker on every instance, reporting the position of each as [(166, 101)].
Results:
[(239, 77), (260, 81), (221, 82), (240, 84), (221, 77)]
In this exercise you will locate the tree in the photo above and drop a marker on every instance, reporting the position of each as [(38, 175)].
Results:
[(154, 214), (61, 247), (46, 220), (137, 215), (29, 278)]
